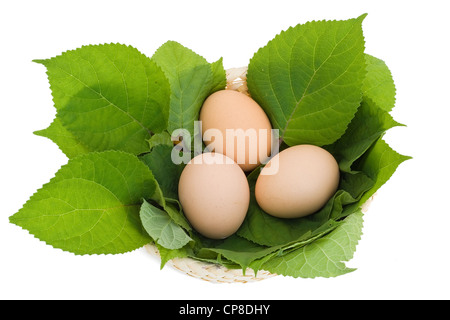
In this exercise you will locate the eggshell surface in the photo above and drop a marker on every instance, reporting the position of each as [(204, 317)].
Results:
[(232, 110), (297, 182), (214, 194)]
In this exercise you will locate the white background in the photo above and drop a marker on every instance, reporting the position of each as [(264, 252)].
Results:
[(404, 252)]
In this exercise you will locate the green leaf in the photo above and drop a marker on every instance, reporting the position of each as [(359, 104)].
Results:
[(161, 227), (173, 209), (379, 163), (378, 84), (323, 257), (219, 76), (167, 174), (368, 125), (109, 96), (162, 138), (308, 79), (240, 250), (355, 184), (267, 230), (191, 79), (64, 139), (169, 254), (165, 171), (92, 205)]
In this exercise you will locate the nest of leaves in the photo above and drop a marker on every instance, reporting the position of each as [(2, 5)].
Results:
[(117, 108)]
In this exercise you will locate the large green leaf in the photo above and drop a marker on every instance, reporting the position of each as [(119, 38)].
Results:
[(308, 79), (191, 79), (109, 96), (92, 205)]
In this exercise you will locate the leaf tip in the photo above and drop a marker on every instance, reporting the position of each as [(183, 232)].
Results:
[(406, 158), (39, 132), (362, 17), (40, 61), (11, 219)]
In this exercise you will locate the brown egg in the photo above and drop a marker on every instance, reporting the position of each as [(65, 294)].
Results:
[(214, 194), (297, 182), (228, 110)]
